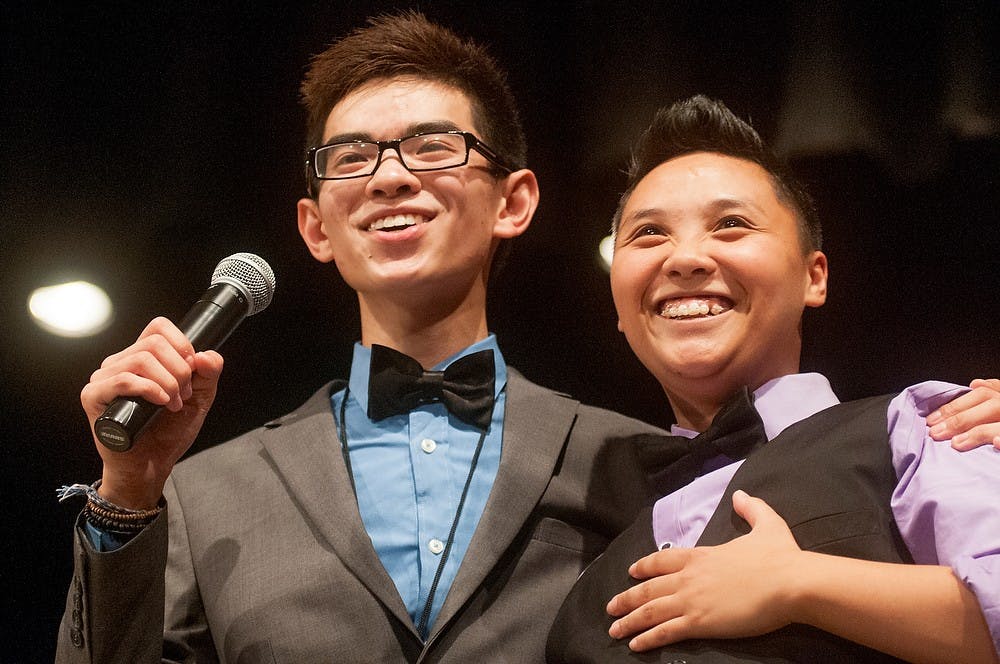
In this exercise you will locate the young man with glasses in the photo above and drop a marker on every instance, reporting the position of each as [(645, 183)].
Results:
[(404, 514), (347, 530)]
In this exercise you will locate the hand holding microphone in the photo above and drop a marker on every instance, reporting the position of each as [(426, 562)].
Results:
[(242, 285)]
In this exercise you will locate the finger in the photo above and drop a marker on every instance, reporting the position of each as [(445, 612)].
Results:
[(207, 367), (161, 326), (154, 359), (96, 396), (162, 338), (980, 406), (985, 434), (170, 349), (665, 561), (750, 508), (660, 635), (938, 419), (205, 380), (974, 414), (755, 511), (644, 617), (641, 594), (988, 383)]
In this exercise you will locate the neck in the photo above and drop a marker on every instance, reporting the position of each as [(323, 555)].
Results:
[(428, 331), (694, 414), (695, 408)]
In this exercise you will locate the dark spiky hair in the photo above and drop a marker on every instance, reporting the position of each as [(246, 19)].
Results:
[(700, 124)]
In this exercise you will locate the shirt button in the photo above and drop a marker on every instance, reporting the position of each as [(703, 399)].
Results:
[(436, 546), (428, 445)]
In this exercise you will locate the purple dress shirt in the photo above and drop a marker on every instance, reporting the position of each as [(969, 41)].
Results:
[(945, 502)]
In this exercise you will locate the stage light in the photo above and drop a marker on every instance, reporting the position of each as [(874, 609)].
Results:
[(73, 309), (606, 249)]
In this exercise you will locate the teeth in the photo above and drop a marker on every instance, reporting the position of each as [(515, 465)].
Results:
[(694, 307), (396, 221)]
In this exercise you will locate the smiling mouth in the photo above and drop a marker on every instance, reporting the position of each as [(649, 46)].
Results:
[(695, 307), (397, 222)]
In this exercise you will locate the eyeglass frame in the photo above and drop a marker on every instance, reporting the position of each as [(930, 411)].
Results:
[(472, 142)]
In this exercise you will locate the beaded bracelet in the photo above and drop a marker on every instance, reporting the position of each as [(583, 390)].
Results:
[(106, 515), (111, 523), (133, 517)]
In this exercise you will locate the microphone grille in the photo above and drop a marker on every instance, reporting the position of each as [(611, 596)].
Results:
[(251, 274)]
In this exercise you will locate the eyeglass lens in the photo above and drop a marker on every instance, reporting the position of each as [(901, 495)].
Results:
[(423, 152)]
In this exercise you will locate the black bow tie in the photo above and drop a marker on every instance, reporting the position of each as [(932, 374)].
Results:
[(674, 462), (398, 384)]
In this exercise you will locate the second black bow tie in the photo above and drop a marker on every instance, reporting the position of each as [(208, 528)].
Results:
[(674, 461), (398, 384)]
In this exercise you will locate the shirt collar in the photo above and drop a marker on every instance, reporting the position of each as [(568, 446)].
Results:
[(781, 402), (361, 361)]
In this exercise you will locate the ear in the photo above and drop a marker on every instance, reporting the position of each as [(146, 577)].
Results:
[(312, 232), (520, 198), (816, 282)]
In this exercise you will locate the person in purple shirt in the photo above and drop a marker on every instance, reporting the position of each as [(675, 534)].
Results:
[(716, 258)]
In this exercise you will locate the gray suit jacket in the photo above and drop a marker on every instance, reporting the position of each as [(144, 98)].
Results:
[(267, 559)]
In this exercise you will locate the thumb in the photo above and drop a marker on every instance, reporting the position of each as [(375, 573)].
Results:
[(754, 510), (205, 380)]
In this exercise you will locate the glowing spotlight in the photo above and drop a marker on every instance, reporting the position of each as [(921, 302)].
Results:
[(606, 249), (74, 309)]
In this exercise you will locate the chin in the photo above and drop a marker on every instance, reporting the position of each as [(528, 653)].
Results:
[(702, 375)]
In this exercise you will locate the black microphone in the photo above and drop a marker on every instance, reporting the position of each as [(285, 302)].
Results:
[(242, 285)]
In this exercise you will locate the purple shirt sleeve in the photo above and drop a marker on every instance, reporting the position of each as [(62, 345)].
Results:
[(946, 503)]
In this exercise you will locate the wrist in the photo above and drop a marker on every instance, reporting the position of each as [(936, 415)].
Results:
[(108, 517), (117, 520), (805, 600), (133, 495)]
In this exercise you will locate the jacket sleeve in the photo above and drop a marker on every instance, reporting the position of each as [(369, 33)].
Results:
[(114, 608), (139, 603)]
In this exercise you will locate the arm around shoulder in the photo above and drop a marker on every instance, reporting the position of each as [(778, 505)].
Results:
[(943, 503)]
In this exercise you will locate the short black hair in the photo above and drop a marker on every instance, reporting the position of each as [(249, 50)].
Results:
[(700, 124)]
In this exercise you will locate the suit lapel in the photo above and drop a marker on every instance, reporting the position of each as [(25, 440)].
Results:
[(305, 451), (537, 423)]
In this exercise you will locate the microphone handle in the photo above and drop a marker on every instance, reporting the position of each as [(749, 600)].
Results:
[(209, 322)]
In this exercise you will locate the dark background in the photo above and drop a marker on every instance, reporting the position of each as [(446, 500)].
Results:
[(141, 144)]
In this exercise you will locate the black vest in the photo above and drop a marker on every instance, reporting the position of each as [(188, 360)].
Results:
[(829, 476)]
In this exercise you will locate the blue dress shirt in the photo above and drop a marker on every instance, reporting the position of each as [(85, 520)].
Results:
[(409, 472)]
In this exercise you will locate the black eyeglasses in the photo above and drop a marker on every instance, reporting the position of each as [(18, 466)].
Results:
[(433, 151)]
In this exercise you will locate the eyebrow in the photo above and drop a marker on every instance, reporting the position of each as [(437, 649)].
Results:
[(410, 130), (642, 214), (720, 205)]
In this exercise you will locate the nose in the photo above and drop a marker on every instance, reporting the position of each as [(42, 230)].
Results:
[(689, 258), (391, 178)]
